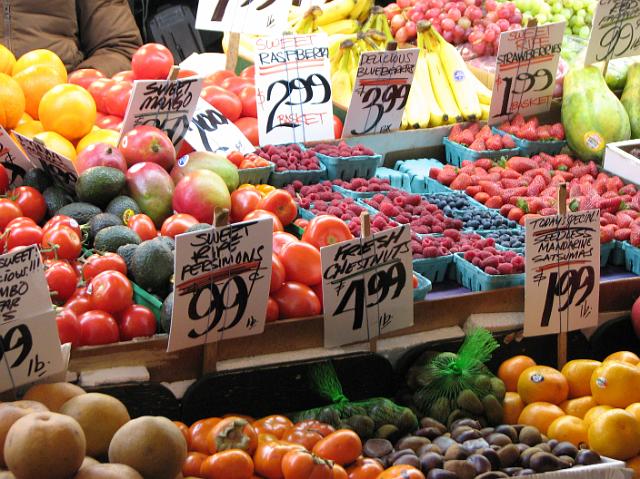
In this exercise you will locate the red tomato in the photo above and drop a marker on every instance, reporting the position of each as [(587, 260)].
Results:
[(143, 226), (301, 223), (177, 224), (8, 211), (337, 126), (151, 62), (63, 243), (84, 77), (280, 203), (116, 98), (109, 122), (124, 75), (302, 263), (137, 321), (235, 84), (111, 291), (248, 98), (217, 77), (326, 230), (262, 214), (23, 234), (273, 310), (249, 72), (297, 300), (4, 180), (98, 90), (69, 329), (278, 273), (99, 263), (30, 201), (249, 128), (62, 280), (243, 202), (79, 304), (98, 327), (187, 73), (317, 288), (225, 101), (62, 220), (21, 221), (280, 239)]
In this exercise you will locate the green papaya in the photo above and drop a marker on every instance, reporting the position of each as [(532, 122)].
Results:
[(591, 114), (631, 99)]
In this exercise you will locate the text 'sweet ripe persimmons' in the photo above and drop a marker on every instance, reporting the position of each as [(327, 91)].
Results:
[(7, 60), (624, 356), (512, 405), (568, 428), (57, 143), (69, 110), (40, 57), (510, 370), (579, 406), (110, 137), (615, 434), (35, 81), (578, 373), (595, 412), (540, 415), (12, 102), (543, 383), (616, 384)]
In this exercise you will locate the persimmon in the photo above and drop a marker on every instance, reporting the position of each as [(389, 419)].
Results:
[(343, 447)]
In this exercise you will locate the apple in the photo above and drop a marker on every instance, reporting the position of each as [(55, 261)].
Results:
[(148, 144), (100, 154), (84, 77), (152, 188), (199, 193)]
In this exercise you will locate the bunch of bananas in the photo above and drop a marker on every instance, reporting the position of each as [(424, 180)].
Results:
[(334, 17), (443, 91)]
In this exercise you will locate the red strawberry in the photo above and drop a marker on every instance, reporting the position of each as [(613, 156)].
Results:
[(446, 176), (634, 237), (434, 172), (454, 134), (484, 133), (466, 163), (528, 131), (628, 190), (550, 191), (610, 194), (490, 187), (515, 214), (624, 220), (511, 174), (484, 163), (622, 234), (534, 121), (509, 183), (614, 183), (494, 202), (537, 186), (494, 142), (504, 209), (504, 125), (544, 132), (546, 175), (548, 211), (589, 203), (521, 163), (602, 176), (635, 202), (610, 204), (472, 190), (607, 234), (462, 181), (610, 218), (474, 128), (511, 192), (465, 137), (478, 145), (507, 142), (518, 120), (579, 169), (565, 160), (575, 190), (557, 131)]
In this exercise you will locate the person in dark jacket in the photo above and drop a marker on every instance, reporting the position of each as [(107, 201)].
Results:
[(99, 34)]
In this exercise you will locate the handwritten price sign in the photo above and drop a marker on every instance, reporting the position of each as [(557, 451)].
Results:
[(526, 67), (562, 272), (165, 104), (380, 94), (367, 287), (293, 90), (615, 31), (221, 284), (13, 159), (243, 16)]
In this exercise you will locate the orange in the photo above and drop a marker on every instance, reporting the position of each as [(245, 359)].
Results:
[(592, 414), (40, 57), (578, 373), (57, 143), (510, 370), (7, 60), (624, 356), (634, 463), (29, 129), (578, 407), (616, 383), (615, 434), (513, 406), (35, 81), (69, 110), (98, 136), (634, 409), (568, 428), (542, 383), (540, 415), (11, 102)]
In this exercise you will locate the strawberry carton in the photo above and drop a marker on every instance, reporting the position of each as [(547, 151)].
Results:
[(533, 138), (475, 142)]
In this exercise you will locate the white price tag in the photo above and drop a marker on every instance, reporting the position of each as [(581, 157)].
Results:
[(367, 287), (222, 283), (615, 31), (211, 131), (165, 104), (526, 67), (562, 286), (13, 159), (261, 17), (59, 167), (293, 89), (380, 94)]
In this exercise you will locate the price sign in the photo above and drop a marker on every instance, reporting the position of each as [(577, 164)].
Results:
[(165, 104), (367, 287), (210, 130), (380, 93), (13, 159), (293, 89), (59, 167), (562, 272), (615, 31), (526, 67), (262, 17), (221, 283)]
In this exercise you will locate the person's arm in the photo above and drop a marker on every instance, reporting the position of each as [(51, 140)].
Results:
[(108, 35)]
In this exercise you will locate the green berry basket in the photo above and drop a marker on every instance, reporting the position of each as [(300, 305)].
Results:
[(531, 148), (455, 153)]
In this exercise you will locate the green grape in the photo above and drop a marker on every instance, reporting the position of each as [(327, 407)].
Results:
[(542, 18), (584, 32), (556, 7), (588, 19), (566, 13), (557, 18)]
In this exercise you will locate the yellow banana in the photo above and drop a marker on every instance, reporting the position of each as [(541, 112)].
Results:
[(307, 23), (442, 90), (346, 25), (357, 9), (366, 12), (341, 83), (422, 109), (484, 94), (485, 111), (335, 10), (335, 41), (378, 21)]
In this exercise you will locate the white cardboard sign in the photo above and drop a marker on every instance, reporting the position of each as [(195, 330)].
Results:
[(293, 89), (367, 287), (261, 17), (615, 31), (562, 285), (211, 131), (13, 159), (380, 93), (59, 167), (526, 67), (221, 283), (165, 104)]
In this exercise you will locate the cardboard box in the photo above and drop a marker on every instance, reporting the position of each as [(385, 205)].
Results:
[(619, 161)]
